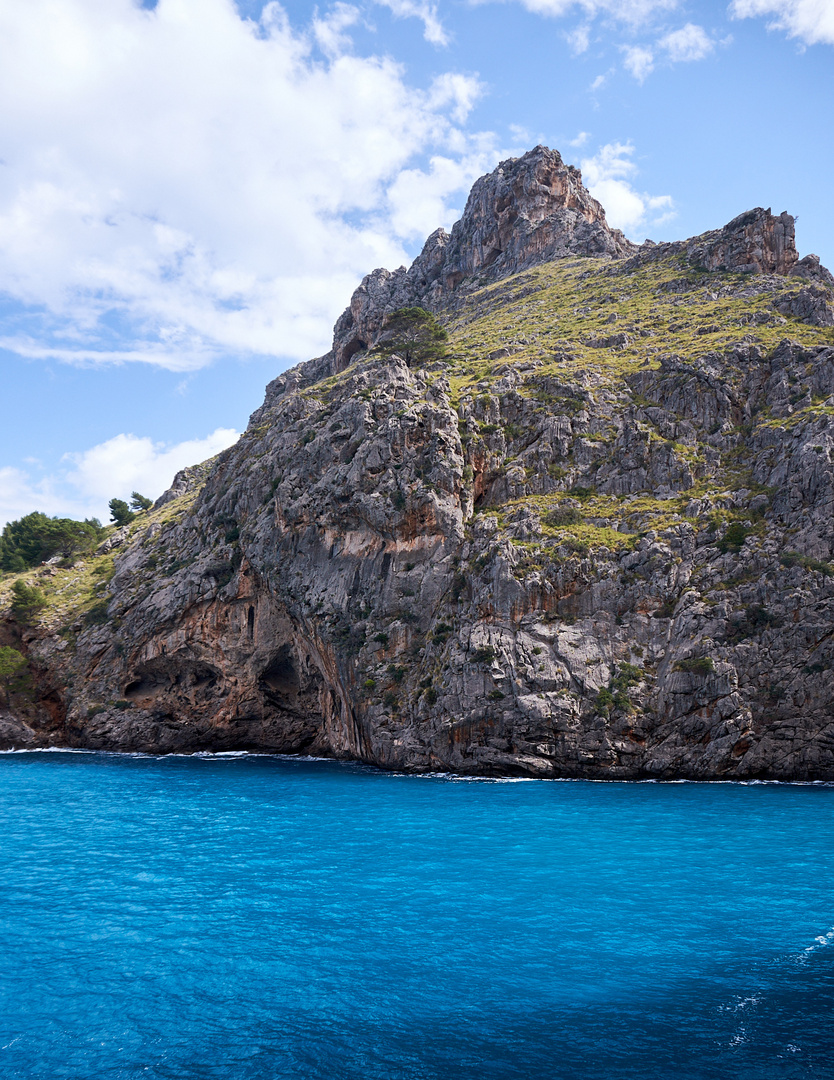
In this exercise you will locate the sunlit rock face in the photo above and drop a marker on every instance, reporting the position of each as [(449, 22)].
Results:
[(527, 211), (597, 539), (756, 242)]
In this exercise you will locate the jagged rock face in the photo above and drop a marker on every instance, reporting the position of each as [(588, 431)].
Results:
[(756, 242), (809, 268), (184, 481), (596, 541), (361, 610), (528, 210), (810, 305)]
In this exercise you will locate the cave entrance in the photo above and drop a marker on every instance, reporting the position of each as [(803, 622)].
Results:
[(352, 348), (170, 675), (279, 679), (291, 686)]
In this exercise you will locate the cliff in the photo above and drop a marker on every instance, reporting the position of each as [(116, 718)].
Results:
[(596, 539)]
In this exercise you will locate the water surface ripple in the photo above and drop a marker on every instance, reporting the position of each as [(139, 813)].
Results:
[(234, 918)]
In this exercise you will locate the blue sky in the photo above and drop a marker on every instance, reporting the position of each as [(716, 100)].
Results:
[(191, 189)]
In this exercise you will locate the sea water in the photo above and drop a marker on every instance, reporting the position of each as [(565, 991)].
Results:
[(238, 917)]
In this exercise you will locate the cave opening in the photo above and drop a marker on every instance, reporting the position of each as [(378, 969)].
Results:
[(352, 348), (280, 678), (170, 675)]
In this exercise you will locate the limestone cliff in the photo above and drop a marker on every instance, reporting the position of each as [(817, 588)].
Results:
[(595, 540)]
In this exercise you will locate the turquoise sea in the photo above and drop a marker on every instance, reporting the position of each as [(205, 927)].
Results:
[(242, 917)]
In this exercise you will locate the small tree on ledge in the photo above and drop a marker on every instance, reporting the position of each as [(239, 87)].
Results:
[(120, 512), (12, 671), (414, 334), (28, 602)]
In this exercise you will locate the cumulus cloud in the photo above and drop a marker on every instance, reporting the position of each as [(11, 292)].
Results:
[(130, 462), (689, 43), (426, 12), (607, 176), (812, 21), (638, 61), (181, 183), (418, 198), (633, 12), (90, 478)]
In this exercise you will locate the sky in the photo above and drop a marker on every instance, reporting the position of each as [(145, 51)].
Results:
[(190, 190)]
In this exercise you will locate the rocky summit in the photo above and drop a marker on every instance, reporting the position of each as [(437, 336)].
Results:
[(594, 539)]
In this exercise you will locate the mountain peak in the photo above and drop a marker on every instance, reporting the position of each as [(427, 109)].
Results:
[(528, 210), (535, 209)]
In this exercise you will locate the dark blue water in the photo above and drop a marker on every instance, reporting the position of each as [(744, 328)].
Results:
[(246, 917)]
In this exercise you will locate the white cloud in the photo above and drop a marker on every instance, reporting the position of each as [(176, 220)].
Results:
[(329, 30), (115, 468), (522, 136), (458, 94), (182, 183), (638, 61), (579, 39), (187, 357), (691, 42), (600, 81), (580, 139), (20, 494), (418, 198), (129, 463), (607, 176), (812, 21), (632, 12), (424, 10)]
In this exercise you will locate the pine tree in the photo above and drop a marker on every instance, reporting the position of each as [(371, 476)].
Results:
[(12, 671), (120, 512), (140, 502), (414, 334), (27, 602)]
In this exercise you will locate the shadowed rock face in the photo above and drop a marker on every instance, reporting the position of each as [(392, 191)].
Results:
[(597, 541)]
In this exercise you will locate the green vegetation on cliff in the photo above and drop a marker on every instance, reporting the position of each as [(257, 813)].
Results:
[(35, 538)]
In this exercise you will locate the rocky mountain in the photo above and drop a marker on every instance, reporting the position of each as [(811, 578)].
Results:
[(595, 539)]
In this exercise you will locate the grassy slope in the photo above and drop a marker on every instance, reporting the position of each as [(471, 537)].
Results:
[(78, 591), (552, 312), (550, 315)]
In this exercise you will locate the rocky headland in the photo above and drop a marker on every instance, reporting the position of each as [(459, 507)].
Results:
[(596, 539)]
